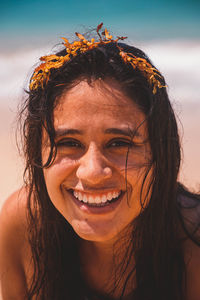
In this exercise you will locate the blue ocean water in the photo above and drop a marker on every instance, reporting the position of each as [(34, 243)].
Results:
[(22, 20)]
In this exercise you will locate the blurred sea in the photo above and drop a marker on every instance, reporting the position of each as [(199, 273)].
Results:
[(168, 31)]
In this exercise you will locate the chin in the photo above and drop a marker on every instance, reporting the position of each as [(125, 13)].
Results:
[(94, 234)]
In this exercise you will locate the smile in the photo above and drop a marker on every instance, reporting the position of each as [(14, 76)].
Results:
[(97, 200)]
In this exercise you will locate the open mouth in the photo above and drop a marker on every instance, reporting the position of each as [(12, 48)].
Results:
[(96, 200)]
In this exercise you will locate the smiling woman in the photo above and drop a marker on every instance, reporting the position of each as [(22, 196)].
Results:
[(101, 215)]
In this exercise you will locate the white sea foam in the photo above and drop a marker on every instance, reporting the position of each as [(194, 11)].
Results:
[(179, 61), (15, 71)]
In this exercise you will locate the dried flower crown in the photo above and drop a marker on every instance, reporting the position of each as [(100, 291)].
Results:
[(42, 72)]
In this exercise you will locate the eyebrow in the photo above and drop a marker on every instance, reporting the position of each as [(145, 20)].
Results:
[(67, 131), (71, 131), (126, 132)]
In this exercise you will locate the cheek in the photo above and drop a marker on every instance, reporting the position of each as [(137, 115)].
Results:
[(55, 176), (57, 173), (137, 163), (140, 186)]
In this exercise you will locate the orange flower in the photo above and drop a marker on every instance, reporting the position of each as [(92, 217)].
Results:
[(107, 35), (42, 72)]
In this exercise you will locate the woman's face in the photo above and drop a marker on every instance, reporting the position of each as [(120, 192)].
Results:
[(91, 182)]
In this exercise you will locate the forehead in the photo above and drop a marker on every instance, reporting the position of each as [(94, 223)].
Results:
[(99, 103)]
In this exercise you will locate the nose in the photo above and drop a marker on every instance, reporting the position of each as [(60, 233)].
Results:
[(93, 168)]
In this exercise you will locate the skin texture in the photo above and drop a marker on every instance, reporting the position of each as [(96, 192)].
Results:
[(94, 162)]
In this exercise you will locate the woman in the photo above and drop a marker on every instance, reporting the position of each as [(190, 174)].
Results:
[(102, 215)]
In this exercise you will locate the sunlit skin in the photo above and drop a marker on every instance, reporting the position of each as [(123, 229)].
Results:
[(91, 158)]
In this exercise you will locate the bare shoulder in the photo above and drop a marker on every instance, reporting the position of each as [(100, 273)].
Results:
[(192, 261), (13, 218), (13, 246)]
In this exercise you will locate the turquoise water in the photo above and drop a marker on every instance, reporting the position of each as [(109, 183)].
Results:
[(25, 21)]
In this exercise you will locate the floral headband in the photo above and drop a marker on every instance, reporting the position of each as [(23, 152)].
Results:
[(42, 72)]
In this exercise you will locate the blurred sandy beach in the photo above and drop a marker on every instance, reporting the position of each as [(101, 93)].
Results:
[(11, 165), (189, 128)]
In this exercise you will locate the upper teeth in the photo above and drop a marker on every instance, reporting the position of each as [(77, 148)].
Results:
[(89, 198)]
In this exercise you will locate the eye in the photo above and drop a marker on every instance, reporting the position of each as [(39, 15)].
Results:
[(69, 143), (120, 143)]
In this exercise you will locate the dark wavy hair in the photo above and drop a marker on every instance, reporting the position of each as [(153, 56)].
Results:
[(155, 242)]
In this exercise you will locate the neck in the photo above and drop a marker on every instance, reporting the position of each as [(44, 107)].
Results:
[(106, 265)]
